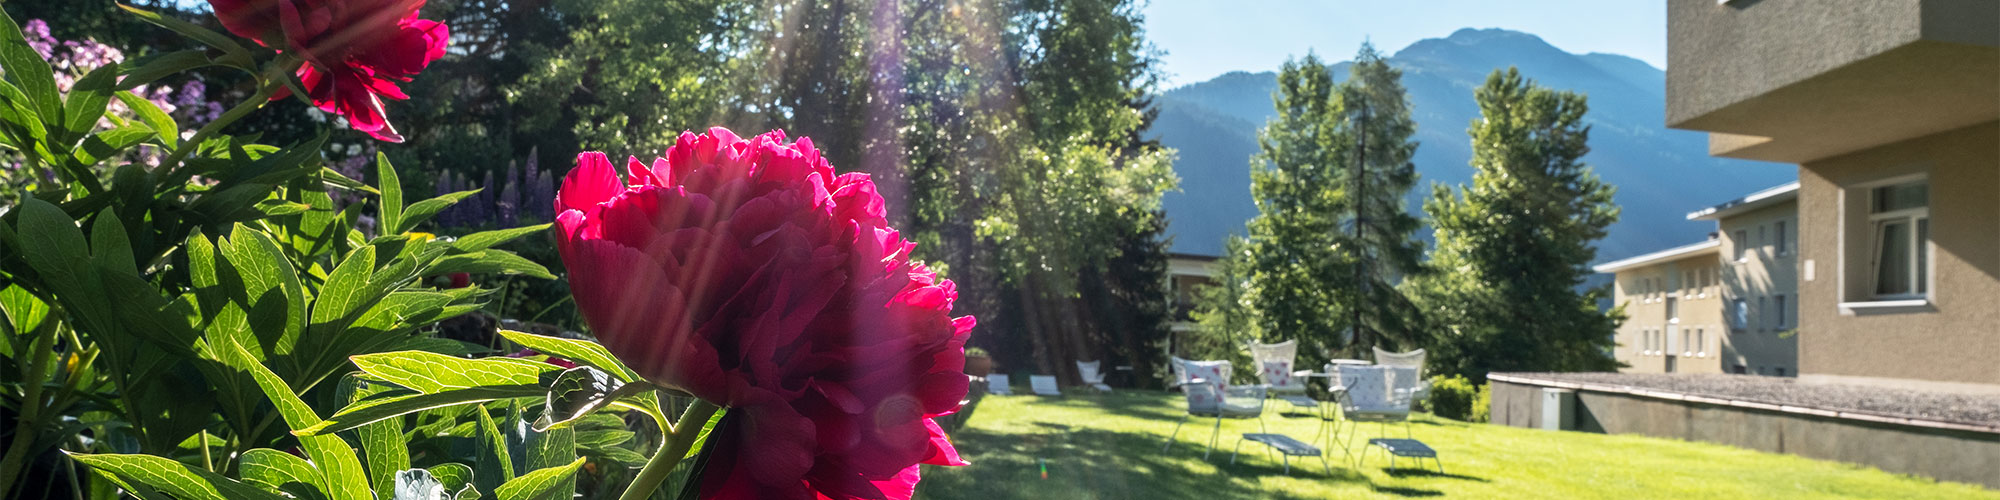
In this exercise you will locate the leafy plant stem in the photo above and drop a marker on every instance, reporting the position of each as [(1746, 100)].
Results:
[(671, 452), (284, 66), (31, 406)]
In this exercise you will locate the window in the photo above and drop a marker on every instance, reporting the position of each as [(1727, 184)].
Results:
[(1687, 283), (1783, 246), (1739, 313), (1700, 343), (1687, 349), (1901, 216), (1740, 369), (1763, 304), (1742, 242), (1780, 370), (1779, 312), (1761, 240)]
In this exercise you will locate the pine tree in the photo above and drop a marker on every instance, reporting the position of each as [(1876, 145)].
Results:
[(1381, 235), (1333, 236), (1514, 246)]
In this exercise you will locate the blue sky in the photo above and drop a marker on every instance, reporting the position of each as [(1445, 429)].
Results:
[(1205, 38)]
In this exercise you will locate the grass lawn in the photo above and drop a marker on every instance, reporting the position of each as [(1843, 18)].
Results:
[(1108, 446)]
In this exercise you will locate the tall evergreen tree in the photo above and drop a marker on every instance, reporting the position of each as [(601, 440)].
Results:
[(1514, 246), (1376, 130), (1334, 236), (1296, 181)]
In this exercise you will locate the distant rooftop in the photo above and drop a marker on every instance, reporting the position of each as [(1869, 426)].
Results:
[(1772, 196), (1706, 247)]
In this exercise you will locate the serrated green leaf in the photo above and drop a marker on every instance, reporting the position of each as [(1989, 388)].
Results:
[(182, 481), (375, 410), (454, 476), (429, 372), (543, 484), (552, 448), (345, 289), (487, 239), (381, 441), (280, 472), (581, 391), (422, 211), (24, 311)]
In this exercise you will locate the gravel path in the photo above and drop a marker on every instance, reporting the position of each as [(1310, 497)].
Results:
[(1982, 409)]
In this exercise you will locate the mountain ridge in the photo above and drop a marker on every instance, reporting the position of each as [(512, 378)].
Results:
[(1662, 174)]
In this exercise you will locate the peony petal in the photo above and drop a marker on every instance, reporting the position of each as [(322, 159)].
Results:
[(942, 451), (590, 183)]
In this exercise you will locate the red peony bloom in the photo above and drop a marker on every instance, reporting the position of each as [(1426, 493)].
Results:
[(748, 274), (355, 50)]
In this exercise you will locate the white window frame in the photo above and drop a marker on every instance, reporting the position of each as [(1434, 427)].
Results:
[(1867, 302), (1919, 248), (1741, 244)]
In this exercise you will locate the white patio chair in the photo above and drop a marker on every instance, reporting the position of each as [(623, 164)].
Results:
[(1413, 359), (997, 384), (1209, 396), (1091, 374), (1380, 394), (1274, 367), (1044, 385)]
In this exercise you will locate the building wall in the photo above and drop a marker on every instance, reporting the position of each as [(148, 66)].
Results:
[(1726, 53), (1956, 337), (1692, 284), (1765, 280)]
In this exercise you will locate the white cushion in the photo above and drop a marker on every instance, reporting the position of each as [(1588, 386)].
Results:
[(997, 384)]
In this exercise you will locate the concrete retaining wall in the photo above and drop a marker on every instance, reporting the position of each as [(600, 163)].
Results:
[(1963, 455)]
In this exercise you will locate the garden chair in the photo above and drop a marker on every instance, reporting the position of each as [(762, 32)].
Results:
[(1044, 385), (1274, 367), (1091, 374), (1209, 395), (997, 384), (1381, 394), (1413, 359)]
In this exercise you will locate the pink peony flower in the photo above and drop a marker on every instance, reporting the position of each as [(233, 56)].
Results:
[(355, 50), (746, 273)]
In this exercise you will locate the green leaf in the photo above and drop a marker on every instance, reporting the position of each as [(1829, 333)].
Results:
[(21, 110), (422, 211), (108, 245), (87, 101), (345, 288), (283, 473), (455, 479), (342, 181), (271, 292), (489, 261), (580, 391), (496, 465), (233, 54), (150, 69), (162, 123), (582, 352), (24, 311), (25, 67), (345, 478), (51, 241), (487, 239), (181, 480), (392, 192), (377, 409), (381, 441), (552, 448), (429, 372), (543, 484)]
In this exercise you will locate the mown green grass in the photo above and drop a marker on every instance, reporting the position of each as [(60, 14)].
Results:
[(1108, 446)]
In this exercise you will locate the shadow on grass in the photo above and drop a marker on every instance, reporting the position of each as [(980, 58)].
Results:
[(1402, 472), (1056, 460), (1407, 492)]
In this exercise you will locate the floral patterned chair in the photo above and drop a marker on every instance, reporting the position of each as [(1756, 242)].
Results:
[(1274, 367), (1209, 394)]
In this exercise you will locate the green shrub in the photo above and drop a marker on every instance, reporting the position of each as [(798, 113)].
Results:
[(1482, 405), (1453, 397)]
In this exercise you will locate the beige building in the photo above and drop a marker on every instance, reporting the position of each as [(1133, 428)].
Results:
[(1185, 274), (1673, 310), (1726, 305), (1891, 109)]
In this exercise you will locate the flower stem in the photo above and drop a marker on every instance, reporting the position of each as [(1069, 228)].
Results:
[(284, 67), (671, 452)]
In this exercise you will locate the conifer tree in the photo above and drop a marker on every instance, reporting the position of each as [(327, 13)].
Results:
[(1513, 247)]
